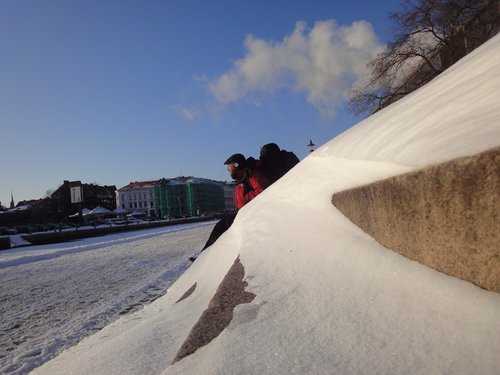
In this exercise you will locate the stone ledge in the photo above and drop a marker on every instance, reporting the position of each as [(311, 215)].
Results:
[(445, 216)]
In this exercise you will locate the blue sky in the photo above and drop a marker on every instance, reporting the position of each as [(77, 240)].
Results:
[(110, 92)]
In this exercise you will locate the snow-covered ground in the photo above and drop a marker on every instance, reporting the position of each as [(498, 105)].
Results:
[(329, 298), (53, 296)]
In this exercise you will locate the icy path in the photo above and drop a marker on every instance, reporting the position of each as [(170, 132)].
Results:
[(52, 296)]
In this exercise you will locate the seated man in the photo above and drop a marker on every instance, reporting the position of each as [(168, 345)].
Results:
[(275, 163), (249, 181), (249, 184)]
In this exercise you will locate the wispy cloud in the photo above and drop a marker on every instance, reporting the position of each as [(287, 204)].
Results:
[(200, 77), (188, 114), (323, 62)]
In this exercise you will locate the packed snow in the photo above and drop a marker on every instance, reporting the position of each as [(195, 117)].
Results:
[(329, 298), (52, 296)]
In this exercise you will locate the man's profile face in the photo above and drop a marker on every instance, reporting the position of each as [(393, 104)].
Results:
[(233, 171)]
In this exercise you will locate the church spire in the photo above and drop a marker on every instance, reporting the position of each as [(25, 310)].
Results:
[(12, 200)]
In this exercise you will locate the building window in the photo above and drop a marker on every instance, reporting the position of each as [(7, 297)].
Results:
[(130, 205)]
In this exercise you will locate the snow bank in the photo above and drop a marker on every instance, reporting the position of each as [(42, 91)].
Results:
[(18, 240), (329, 298)]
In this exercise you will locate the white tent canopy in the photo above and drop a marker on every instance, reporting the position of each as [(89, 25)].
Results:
[(120, 211), (100, 211), (85, 212)]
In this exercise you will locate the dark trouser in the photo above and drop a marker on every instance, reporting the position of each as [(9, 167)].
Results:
[(221, 226)]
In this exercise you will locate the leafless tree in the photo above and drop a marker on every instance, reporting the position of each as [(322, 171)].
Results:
[(49, 193), (430, 36)]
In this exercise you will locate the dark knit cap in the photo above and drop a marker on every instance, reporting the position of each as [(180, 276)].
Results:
[(269, 150), (237, 159)]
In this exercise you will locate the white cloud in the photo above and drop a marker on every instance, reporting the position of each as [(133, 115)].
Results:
[(323, 62), (188, 114)]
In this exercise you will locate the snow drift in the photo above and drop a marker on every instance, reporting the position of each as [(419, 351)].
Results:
[(329, 298)]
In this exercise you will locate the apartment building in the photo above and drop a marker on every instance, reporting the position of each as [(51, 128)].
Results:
[(138, 195), (72, 196), (188, 196)]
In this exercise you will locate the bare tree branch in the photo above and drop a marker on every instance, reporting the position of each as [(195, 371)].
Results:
[(430, 35)]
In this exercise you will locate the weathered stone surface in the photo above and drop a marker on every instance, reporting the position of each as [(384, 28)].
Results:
[(188, 293), (219, 313), (445, 216)]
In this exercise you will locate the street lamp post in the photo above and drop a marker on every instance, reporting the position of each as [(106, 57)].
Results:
[(311, 146)]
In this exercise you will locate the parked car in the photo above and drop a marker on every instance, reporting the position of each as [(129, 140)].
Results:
[(51, 226), (67, 225), (26, 229), (39, 228), (3, 231)]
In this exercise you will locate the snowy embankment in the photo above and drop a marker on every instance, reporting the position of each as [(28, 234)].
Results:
[(329, 298)]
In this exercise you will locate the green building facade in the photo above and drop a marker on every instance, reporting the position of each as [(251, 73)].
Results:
[(187, 196)]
